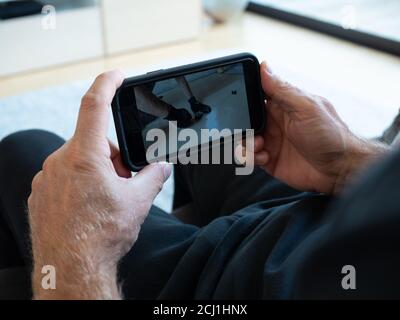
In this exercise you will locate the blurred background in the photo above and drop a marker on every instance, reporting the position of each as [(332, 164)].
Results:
[(50, 51)]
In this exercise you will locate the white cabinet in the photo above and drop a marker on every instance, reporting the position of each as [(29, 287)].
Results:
[(26, 45), (135, 24), (87, 29)]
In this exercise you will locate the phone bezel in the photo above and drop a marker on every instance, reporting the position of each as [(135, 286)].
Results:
[(133, 149)]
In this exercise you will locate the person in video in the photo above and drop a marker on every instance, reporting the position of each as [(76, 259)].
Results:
[(322, 201), (152, 107)]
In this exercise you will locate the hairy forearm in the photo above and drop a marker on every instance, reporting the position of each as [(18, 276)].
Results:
[(76, 279), (362, 153)]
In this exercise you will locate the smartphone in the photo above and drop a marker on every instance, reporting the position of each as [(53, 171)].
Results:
[(220, 95)]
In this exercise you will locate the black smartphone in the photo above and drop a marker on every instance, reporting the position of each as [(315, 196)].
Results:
[(156, 108)]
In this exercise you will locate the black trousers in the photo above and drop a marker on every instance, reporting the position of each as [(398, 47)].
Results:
[(255, 237)]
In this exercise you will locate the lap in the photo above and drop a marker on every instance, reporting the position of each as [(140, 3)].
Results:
[(261, 239), (21, 156), (278, 250), (224, 259), (215, 190)]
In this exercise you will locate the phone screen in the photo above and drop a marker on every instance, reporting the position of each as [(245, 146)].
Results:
[(209, 99)]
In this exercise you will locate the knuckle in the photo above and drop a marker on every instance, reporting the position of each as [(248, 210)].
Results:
[(91, 99), (36, 180), (325, 102), (102, 76), (74, 159), (31, 204), (51, 162), (285, 88), (285, 85), (30, 199), (318, 99), (72, 151), (48, 163)]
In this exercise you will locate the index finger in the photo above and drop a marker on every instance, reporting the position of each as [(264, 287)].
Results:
[(93, 113)]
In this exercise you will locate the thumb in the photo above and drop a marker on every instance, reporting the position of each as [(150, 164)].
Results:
[(150, 180), (279, 90), (269, 82), (94, 111)]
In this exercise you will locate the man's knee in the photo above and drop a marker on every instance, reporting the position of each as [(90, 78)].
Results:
[(28, 146), (30, 136)]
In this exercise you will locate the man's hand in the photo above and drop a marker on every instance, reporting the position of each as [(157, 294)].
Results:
[(306, 144), (85, 209)]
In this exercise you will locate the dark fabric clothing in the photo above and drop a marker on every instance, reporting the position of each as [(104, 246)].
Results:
[(21, 156), (254, 238)]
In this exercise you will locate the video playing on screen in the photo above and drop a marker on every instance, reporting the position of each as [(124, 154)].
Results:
[(210, 99)]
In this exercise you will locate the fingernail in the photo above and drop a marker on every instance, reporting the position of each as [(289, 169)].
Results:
[(167, 170)]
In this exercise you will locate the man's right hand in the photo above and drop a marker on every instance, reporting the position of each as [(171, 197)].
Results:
[(305, 143)]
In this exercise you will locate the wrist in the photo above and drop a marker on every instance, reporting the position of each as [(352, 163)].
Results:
[(361, 153), (78, 277)]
